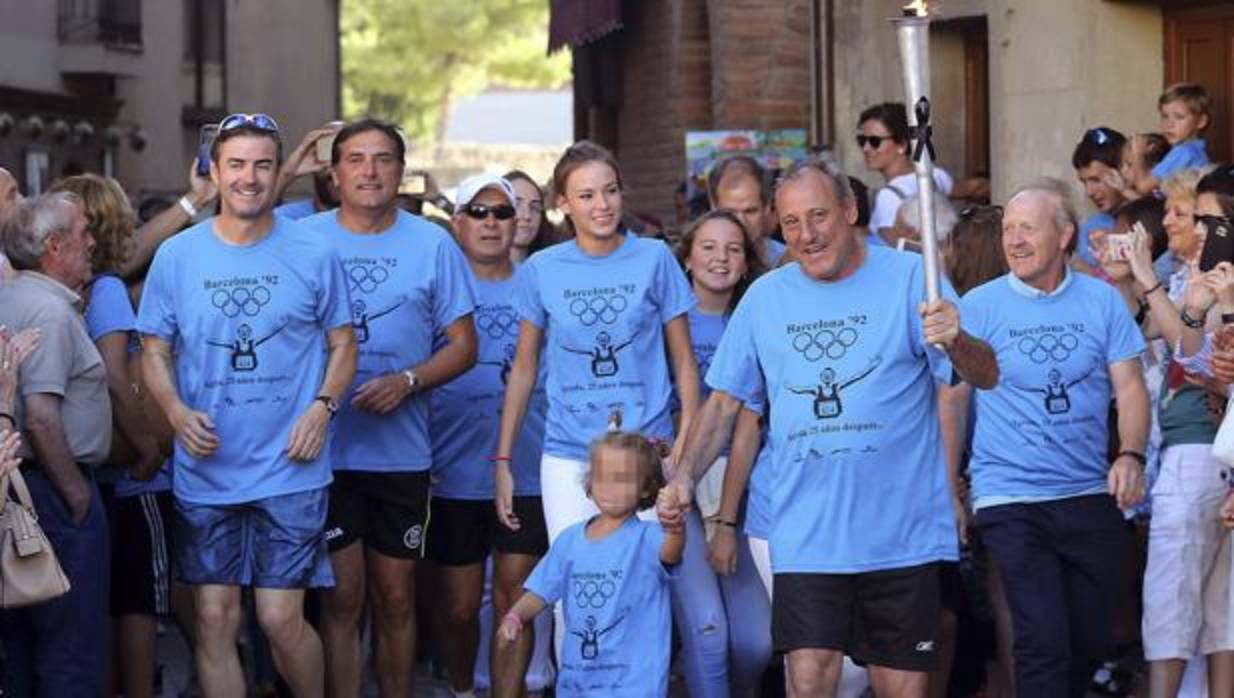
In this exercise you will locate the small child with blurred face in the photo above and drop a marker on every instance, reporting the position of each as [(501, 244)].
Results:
[(611, 574)]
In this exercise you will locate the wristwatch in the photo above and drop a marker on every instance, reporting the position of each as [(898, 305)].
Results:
[(330, 403), (413, 383)]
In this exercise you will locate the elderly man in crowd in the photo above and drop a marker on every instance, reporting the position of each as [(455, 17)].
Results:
[(59, 648)]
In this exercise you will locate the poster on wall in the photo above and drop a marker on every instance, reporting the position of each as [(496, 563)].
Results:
[(775, 149)]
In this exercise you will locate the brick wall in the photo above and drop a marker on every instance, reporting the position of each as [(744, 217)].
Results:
[(704, 64)]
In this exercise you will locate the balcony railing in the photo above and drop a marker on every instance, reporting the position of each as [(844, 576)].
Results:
[(110, 22)]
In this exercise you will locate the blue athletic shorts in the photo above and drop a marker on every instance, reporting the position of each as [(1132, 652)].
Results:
[(272, 543)]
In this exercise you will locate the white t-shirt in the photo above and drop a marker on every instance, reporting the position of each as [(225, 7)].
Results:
[(887, 201)]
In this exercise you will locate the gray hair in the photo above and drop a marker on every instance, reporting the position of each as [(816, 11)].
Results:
[(29, 225), (1060, 194), (945, 215), (828, 168)]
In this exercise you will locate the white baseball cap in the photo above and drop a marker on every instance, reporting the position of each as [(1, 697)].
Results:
[(469, 188)]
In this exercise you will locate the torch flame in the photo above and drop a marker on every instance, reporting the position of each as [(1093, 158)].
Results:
[(917, 8)]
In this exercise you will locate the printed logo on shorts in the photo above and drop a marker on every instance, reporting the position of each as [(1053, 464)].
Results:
[(411, 538), (926, 646), (333, 533)]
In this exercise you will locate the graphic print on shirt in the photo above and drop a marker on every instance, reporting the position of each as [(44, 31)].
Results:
[(591, 593), (828, 341), (497, 325), (826, 394), (361, 317), (603, 355), (244, 347), (1052, 346), (365, 276)]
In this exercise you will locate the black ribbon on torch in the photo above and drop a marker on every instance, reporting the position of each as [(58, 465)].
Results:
[(922, 132)]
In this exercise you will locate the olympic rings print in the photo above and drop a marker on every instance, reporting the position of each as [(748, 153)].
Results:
[(833, 345), (1046, 347), (593, 594), (604, 309), (241, 300), (366, 278), (497, 325)]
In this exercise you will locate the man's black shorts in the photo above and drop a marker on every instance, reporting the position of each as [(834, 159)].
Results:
[(886, 618), (388, 511), (463, 532)]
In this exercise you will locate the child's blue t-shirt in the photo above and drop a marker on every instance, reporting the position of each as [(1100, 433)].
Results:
[(1192, 152), (110, 310), (466, 412), (407, 284), (1042, 432), (249, 323), (603, 320), (614, 593), (859, 481)]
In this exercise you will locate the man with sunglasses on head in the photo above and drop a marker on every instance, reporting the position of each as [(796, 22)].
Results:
[(1096, 159), (411, 310), (247, 347)]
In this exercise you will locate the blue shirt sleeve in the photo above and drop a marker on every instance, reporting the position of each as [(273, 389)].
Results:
[(548, 579), (672, 289), (110, 309), (653, 542), (527, 301), (156, 313), (452, 297), (1190, 153), (735, 367), (333, 301)]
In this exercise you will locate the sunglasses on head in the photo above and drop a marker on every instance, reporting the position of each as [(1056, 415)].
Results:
[(261, 122), (502, 212), (874, 141), (1098, 135)]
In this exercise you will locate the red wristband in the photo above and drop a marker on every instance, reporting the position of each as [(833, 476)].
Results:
[(496, 459)]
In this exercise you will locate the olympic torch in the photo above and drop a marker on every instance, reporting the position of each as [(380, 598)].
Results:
[(913, 33)]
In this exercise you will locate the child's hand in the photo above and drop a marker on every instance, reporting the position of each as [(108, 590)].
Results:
[(670, 511), (511, 628)]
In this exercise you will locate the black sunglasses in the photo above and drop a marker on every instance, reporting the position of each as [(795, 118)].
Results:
[(261, 122), (874, 141), (502, 212)]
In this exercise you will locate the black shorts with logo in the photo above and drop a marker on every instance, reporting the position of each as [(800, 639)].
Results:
[(464, 531), (886, 618), (388, 511)]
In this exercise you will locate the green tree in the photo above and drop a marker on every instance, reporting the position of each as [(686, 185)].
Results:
[(408, 61)]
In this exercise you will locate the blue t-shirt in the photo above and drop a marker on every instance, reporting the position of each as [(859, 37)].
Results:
[(614, 592), (603, 319), (1042, 432), (1192, 152), (110, 310), (859, 481), (407, 284), (775, 250), (758, 493), (250, 324), (466, 412), (1097, 221), (296, 210)]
